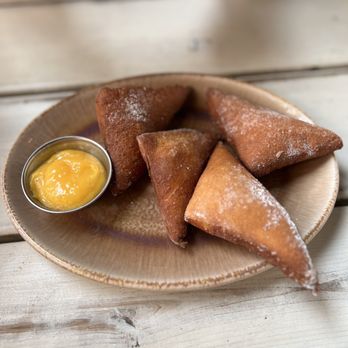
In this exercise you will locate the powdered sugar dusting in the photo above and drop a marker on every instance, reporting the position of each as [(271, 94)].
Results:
[(309, 150), (134, 105), (248, 115), (243, 193), (292, 151), (131, 104), (275, 212), (229, 195), (268, 134)]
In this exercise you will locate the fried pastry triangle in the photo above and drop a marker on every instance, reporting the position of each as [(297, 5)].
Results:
[(175, 160), (264, 139), (124, 113), (230, 203)]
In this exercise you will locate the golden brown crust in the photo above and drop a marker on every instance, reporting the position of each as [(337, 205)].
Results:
[(175, 160), (123, 114), (264, 139), (238, 208)]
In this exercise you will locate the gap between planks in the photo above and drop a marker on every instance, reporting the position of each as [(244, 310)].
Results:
[(257, 76), (27, 3)]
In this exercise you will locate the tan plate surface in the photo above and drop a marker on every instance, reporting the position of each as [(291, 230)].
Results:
[(123, 241)]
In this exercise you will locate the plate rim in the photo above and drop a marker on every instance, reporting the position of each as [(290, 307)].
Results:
[(183, 285)]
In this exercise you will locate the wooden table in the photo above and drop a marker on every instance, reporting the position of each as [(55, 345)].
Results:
[(296, 49)]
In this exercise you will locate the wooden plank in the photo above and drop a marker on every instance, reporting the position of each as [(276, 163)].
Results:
[(72, 44), (13, 3), (322, 98), (15, 114), (266, 310)]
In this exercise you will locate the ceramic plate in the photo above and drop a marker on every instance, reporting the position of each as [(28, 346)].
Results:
[(122, 240)]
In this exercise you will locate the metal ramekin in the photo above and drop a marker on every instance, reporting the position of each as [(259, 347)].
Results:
[(45, 151)]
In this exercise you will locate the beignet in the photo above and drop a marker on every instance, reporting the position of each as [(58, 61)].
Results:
[(265, 139), (228, 202), (175, 160)]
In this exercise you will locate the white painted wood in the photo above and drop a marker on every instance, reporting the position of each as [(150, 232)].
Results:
[(15, 114), (44, 305), (69, 44)]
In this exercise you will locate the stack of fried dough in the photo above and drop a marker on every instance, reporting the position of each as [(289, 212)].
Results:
[(199, 180)]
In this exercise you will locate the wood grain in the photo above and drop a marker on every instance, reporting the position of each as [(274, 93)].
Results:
[(50, 46), (264, 311)]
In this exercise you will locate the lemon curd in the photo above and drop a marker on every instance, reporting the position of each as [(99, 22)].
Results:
[(68, 180)]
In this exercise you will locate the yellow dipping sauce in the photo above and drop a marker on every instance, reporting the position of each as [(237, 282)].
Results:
[(68, 179)]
